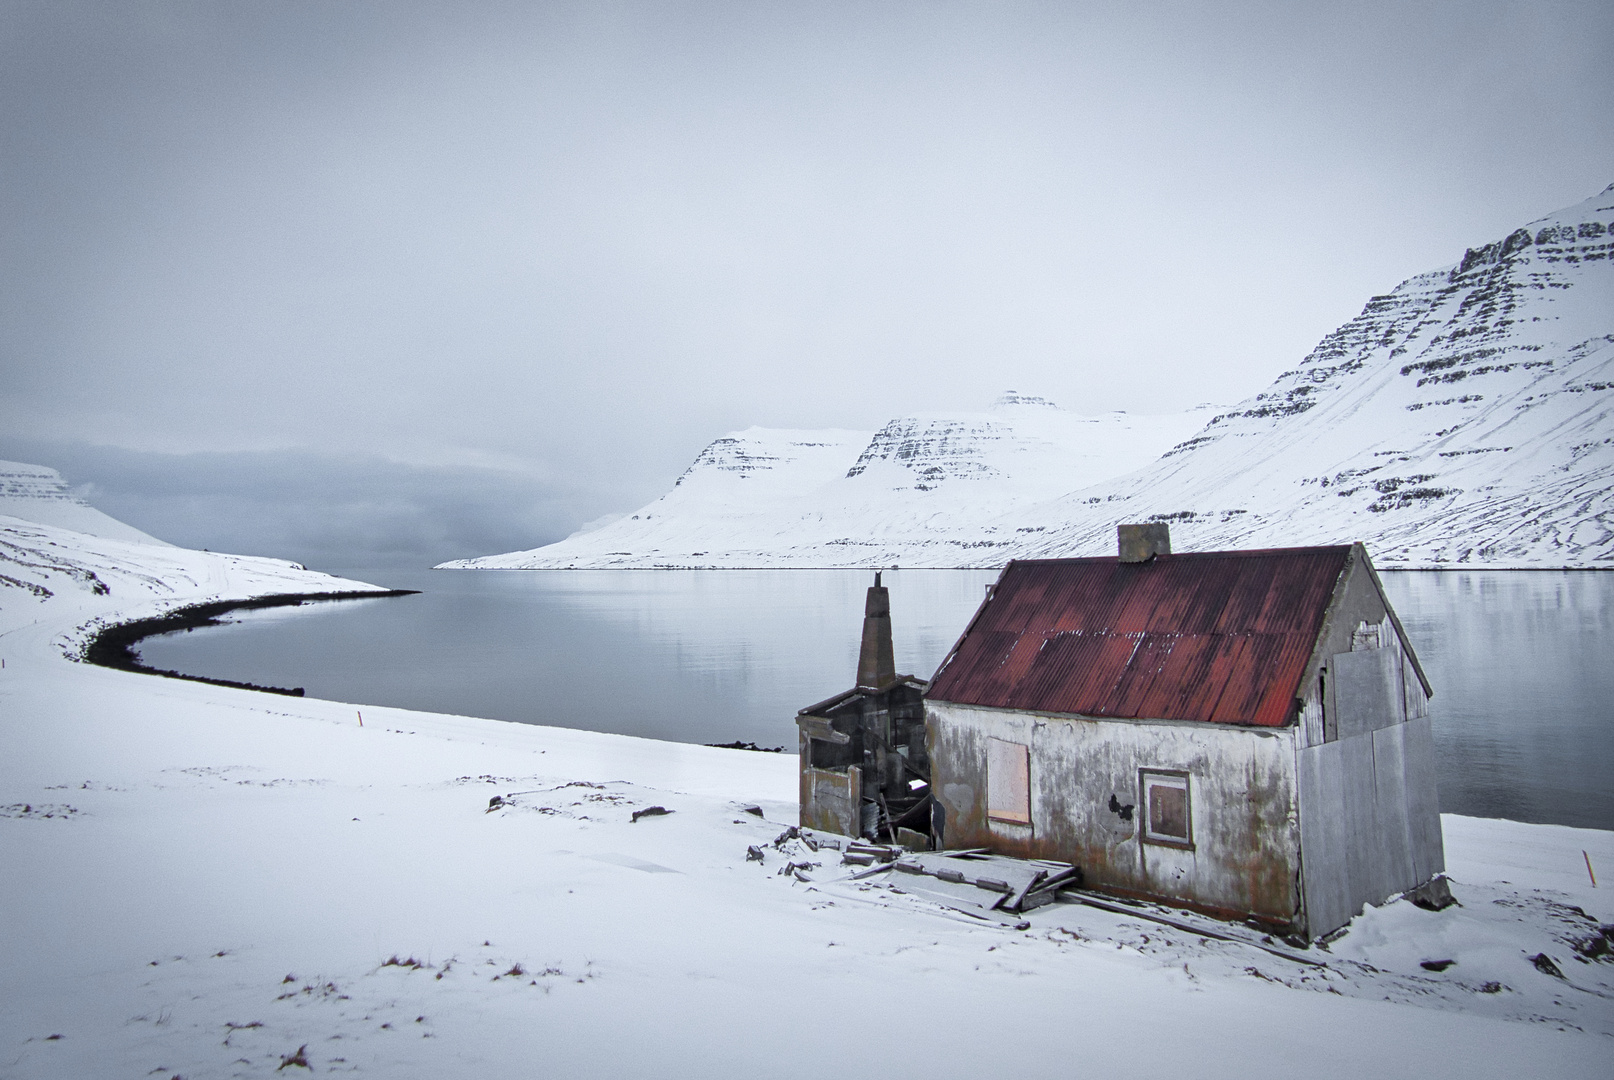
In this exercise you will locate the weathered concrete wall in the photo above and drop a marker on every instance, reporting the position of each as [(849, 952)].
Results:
[(1086, 804)]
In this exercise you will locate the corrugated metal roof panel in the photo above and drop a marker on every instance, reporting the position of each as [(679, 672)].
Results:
[(1220, 637)]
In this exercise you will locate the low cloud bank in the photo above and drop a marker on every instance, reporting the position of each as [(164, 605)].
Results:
[(323, 510)]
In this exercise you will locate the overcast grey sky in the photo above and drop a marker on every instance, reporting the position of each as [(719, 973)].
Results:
[(546, 252)]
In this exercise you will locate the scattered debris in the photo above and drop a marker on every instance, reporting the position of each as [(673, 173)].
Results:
[(737, 745), (754, 811), (393, 961), (1598, 946), (650, 811), (913, 839), (38, 810), (300, 1059), (976, 881), (1432, 895), (753, 854), (1544, 964)]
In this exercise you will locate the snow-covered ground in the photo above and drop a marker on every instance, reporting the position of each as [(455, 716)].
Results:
[(202, 882), (1465, 418)]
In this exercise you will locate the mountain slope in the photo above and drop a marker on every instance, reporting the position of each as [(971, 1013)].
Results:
[(36, 493), (1465, 418), (916, 492)]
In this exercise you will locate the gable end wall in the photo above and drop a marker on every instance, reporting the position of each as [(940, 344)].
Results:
[(1369, 808)]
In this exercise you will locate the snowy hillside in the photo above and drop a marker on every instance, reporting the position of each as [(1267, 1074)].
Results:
[(61, 559), (1467, 417), (917, 492), (35, 493)]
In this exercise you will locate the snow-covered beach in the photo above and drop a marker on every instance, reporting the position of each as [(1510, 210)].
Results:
[(212, 882)]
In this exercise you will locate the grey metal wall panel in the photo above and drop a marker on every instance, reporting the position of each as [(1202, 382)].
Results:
[(1325, 882), (1363, 858), (1390, 783), (1367, 693), (1423, 801)]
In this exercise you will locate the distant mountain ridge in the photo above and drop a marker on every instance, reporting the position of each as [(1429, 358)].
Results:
[(1465, 418), (915, 492)]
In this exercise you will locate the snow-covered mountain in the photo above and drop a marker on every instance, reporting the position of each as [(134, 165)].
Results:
[(36, 493), (916, 492), (1464, 418), (62, 559)]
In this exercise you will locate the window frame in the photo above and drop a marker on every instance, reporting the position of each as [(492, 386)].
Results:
[(1174, 778)]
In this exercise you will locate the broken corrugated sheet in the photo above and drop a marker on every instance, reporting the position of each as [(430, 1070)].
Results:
[(1221, 637)]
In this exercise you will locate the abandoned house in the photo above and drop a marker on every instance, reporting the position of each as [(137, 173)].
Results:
[(863, 764), (1244, 733)]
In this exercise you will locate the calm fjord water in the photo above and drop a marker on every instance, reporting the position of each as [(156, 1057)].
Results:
[(1522, 661)]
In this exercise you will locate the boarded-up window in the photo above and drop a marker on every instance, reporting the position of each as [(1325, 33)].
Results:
[(1167, 815), (1008, 781)]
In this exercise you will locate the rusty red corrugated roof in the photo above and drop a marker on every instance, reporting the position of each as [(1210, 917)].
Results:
[(1219, 636)]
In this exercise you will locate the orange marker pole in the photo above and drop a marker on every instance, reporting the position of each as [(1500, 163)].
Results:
[(1589, 873), (361, 717)]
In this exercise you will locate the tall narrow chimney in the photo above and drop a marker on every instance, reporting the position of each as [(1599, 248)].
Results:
[(876, 663), (1140, 543)]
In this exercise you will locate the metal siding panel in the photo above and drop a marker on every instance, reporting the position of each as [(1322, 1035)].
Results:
[(1362, 863), (1423, 801), (1364, 691), (1390, 790), (1326, 884)]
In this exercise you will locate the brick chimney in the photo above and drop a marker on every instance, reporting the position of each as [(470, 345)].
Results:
[(1140, 543), (876, 663)]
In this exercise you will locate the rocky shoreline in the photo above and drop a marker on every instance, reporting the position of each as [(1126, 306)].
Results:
[(114, 646)]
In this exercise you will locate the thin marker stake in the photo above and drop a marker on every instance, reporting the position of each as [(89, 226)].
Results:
[(1589, 873), (361, 724)]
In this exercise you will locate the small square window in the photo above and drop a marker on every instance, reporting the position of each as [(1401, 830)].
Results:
[(1167, 816)]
